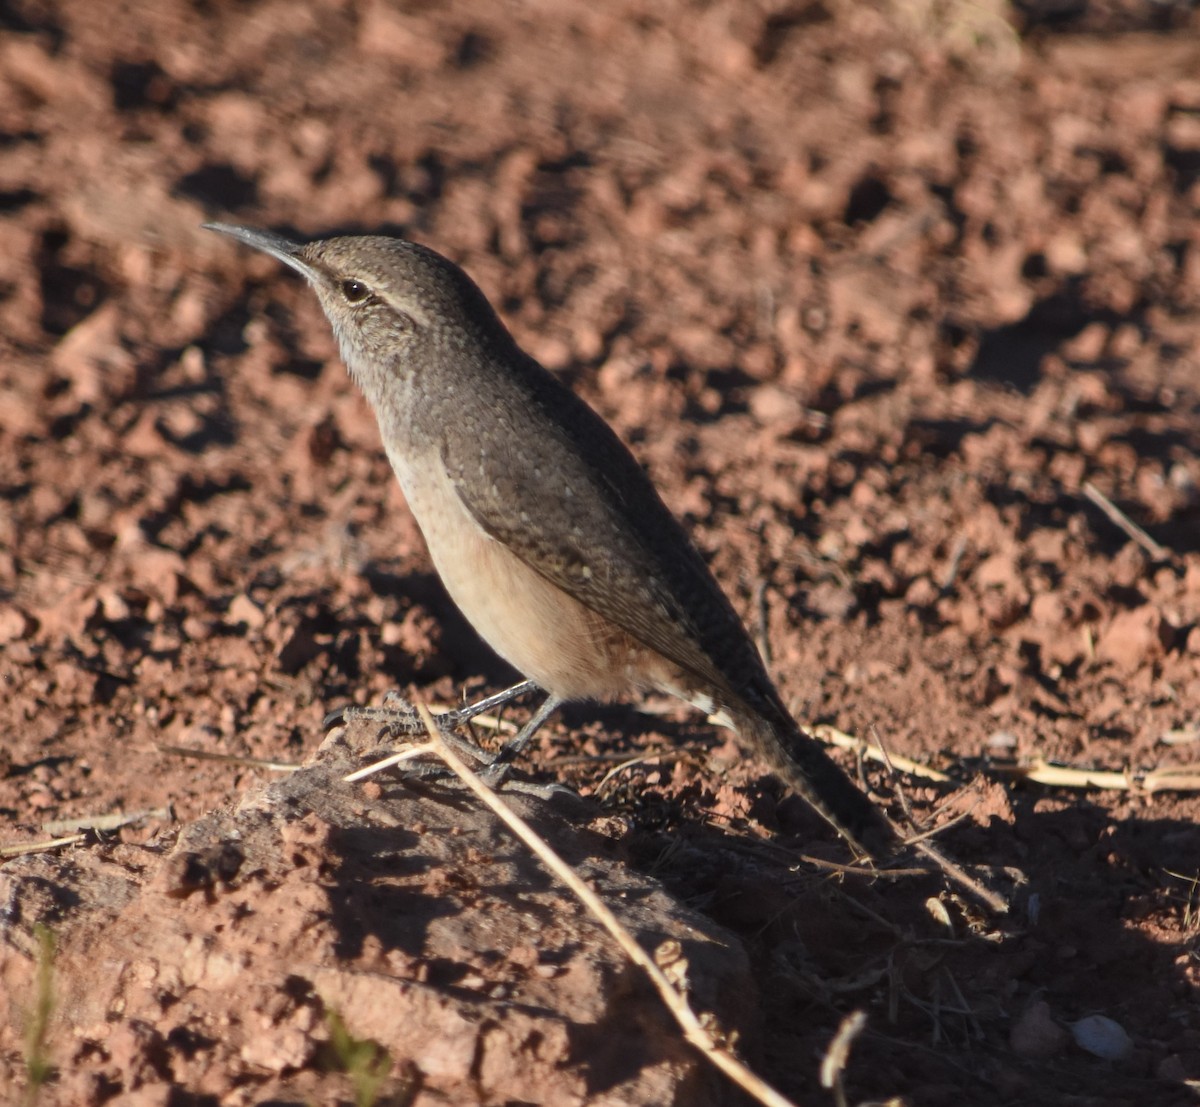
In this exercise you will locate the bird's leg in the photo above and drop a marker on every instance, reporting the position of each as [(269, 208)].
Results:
[(465, 714), (500, 764), (399, 718)]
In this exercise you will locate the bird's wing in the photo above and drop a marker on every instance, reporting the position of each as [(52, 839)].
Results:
[(565, 496)]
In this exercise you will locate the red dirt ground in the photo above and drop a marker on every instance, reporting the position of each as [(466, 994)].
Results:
[(877, 292)]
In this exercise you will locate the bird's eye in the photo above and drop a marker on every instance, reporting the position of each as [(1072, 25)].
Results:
[(355, 292)]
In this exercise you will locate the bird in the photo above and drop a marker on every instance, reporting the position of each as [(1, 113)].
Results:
[(545, 530)]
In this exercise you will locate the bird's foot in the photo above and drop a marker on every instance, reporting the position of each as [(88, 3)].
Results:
[(399, 719), (396, 716)]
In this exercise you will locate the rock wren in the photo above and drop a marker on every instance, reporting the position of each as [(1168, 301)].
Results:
[(545, 530)]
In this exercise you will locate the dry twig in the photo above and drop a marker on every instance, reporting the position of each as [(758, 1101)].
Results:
[(407, 754), (114, 821), (1040, 771), (956, 557), (42, 847), (833, 1064), (835, 737), (953, 871), (693, 1028), (1117, 516), (229, 758), (956, 873)]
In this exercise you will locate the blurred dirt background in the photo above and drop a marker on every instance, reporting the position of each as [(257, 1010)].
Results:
[(883, 295)]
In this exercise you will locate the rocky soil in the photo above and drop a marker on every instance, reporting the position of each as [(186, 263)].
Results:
[(892, 299)]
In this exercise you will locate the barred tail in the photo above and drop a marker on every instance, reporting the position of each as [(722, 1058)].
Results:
[(804, 766)]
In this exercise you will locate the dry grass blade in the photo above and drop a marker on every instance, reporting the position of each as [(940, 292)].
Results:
[(833, 737), (951, 575), (1117, 516), (687, 1019), (956, 873), (616, 770), (1067, 776), (114, 821), (1190, 902), (229, 758), (1168, 780), (42, 847), (952, 871), (386, 763), (833, 1064), (964, 1008), (897, 785)]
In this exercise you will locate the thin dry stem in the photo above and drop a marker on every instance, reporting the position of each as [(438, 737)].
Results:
[(956, 873), (952, 871), (407, 754), (897, 786), (956, 557), (842, 740), (42, 847), (1117, 516), (1065, 776), (690, 1024), (833, 1064), (229, 758), (114, 821)]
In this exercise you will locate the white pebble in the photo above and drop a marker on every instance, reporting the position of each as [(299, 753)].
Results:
[(1102, 1037)]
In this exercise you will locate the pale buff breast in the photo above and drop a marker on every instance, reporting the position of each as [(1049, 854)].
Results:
[(547, 635)]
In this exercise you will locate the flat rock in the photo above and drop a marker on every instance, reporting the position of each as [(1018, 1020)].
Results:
[(221, 955)]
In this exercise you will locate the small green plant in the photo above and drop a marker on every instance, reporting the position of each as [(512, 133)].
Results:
[(366, 1062), (1190, 901), (974, 32), (38, 1067)]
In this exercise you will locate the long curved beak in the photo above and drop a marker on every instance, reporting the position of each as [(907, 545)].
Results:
[(284, 249)]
